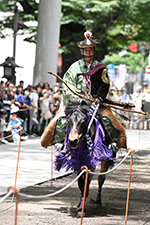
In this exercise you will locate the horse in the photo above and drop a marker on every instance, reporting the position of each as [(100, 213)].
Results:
[(83, 147)]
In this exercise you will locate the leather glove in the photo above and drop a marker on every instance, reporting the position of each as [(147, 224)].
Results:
[(96, 101)]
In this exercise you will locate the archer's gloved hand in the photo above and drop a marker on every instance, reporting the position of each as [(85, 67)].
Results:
[(97, 101), (100, 99)]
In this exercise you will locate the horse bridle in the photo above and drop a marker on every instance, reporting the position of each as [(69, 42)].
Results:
[(86, 116)]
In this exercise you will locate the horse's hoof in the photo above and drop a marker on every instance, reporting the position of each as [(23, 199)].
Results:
[(79, 207), (79, 213), (97, 205)]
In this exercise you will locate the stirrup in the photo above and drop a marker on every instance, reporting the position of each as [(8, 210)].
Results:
[(113, 147)]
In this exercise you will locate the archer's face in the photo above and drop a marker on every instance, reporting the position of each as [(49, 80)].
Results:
[(89, 53)]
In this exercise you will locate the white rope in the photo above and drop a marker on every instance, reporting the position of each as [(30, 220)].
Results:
[(68, 185), (7, 208), (55, 193), (141, 157), (6, 196), (109, 171), (10, 135)]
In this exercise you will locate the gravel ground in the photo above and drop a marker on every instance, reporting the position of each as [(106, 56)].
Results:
[(61, 209)]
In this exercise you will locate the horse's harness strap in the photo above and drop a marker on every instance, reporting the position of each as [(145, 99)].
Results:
[(93, 112), (93, 116)]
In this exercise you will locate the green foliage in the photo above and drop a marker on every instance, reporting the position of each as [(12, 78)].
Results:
[(117, 23), (134, 61)]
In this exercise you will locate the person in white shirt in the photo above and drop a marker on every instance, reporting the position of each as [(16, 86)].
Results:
[(137, 98), (44, 105), (33, 111)]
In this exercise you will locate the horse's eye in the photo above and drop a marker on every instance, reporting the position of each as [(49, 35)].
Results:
[(70, 124), (82, 127)]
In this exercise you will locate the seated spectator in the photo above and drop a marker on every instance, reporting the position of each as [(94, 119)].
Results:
[(15, 124)]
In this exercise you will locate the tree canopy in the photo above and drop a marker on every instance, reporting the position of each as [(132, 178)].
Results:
[(117, 23)]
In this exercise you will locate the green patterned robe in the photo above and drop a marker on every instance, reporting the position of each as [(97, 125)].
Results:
[(78, 85)]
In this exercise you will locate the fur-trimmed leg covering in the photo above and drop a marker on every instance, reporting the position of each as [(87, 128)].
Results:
[(48, 133)]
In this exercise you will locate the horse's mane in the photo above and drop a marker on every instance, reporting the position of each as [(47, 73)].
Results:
[(74, 103)]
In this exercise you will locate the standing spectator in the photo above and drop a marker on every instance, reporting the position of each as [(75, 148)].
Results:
[(21, 83), (33, 111), (44, 105), (13, 93), (55, 87), (113, 93), (137, 98), (146, 106), (39, 92), (19, 90), (110, 95), (119, 93), (55, 102), (2, 124), (41, 84), (2, 95), (2, 85), (124, 95), (7, 82), (8, 100), (147, 101), (24, 103), (47, 87)]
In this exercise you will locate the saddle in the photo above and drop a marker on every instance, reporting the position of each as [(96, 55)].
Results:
[(115, 132)]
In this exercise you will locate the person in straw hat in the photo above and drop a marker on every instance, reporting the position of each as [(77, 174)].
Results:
[(87, 75)]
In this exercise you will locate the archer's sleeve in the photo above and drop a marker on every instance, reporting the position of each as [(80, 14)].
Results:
[(104, 85), (69, 78)]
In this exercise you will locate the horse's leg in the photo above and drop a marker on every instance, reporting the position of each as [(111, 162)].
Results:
[(81, 183), (101, 179)]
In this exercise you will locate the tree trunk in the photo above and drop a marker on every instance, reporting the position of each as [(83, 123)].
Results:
[(47, 41)]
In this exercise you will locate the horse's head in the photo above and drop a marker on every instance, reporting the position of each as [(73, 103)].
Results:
[(77, 112)]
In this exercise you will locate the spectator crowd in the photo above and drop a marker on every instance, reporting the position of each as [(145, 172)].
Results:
[(32, 107), (140, 98)]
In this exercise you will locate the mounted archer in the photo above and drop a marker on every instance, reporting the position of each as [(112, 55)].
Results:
[(85, 76)]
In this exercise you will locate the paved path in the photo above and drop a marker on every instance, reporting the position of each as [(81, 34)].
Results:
[(35, 161), (138, 139), (34, 164)]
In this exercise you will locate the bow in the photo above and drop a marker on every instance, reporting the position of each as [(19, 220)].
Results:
[(108, 102)]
